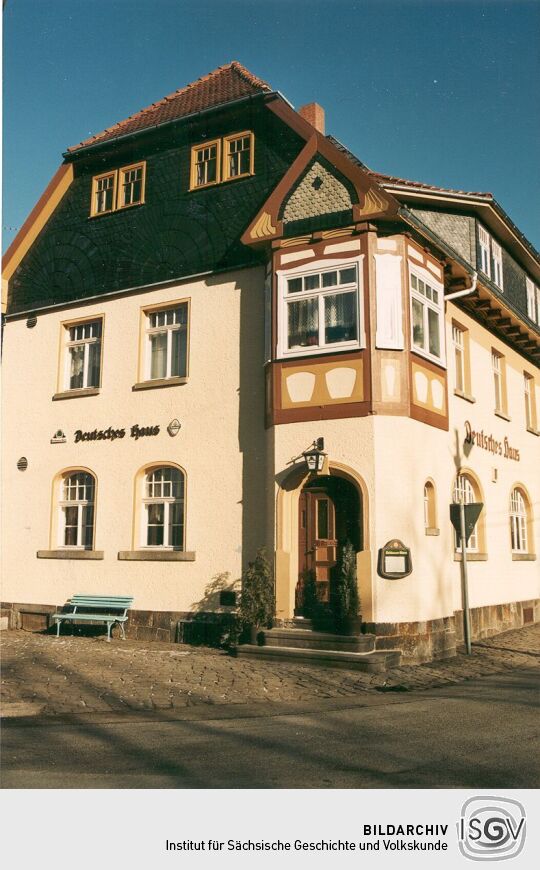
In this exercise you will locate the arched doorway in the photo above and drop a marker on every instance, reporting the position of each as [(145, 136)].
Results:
[(329, 514)]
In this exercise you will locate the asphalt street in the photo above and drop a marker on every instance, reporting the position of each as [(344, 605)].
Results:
[(478, 734)]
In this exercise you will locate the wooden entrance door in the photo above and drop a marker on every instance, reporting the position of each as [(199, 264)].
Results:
[(317, 541)]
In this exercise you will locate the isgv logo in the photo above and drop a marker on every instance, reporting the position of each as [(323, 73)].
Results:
[(491, 828)]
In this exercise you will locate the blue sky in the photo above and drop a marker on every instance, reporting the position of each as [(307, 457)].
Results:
[(442, 92)]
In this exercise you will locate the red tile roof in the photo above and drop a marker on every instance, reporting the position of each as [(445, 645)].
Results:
[(230, 82)]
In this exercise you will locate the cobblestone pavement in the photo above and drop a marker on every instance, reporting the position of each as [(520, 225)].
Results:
[(49, 676)]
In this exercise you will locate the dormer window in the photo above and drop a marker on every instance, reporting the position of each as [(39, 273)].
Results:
[(118, 189), (490, 257), (205, 164), (104, 193), (222, 160), (497, 264), (131, 185), (485, 258), (237, 156)]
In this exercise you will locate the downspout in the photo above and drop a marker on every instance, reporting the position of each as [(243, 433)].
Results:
[(466, 292)]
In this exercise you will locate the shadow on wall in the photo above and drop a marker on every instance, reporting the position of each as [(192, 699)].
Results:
[(252, 435), (213, 620), (220, 595)]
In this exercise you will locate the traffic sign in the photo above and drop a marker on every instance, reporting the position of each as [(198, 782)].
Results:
[(472, 512)]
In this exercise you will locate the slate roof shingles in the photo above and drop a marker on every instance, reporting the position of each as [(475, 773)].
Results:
[(229, 82)]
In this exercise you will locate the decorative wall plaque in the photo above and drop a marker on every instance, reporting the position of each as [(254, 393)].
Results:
[(394, 560)]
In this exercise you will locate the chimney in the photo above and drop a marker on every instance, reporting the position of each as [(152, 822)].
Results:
[(314, 115)]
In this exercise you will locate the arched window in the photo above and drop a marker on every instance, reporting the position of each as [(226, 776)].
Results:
[(163, 508), (76, 520), (430, 508), (519, 521), (465, 491)]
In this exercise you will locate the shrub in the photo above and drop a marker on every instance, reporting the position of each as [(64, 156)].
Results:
[(257, 595), (346, 598)]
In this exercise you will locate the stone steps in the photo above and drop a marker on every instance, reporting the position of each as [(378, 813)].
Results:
[(304, 638), (370, 662)]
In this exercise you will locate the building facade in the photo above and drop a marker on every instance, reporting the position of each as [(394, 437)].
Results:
[(206, 289)]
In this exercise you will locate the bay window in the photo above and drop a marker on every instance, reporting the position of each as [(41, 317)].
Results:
[(320, 310), (427, 317)]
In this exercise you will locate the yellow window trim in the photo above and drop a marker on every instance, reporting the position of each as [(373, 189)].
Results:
[(117, 175), (121, 172), (193, 171), (64, 327), (226, 144), (151, 309), (95, 180)]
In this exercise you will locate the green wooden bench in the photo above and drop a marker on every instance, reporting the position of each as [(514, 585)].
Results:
[(109, 609)]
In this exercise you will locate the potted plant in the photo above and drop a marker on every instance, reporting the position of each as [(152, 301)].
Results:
[(256, 608), (346, 598)]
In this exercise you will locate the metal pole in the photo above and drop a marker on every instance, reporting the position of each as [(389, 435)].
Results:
[(464, 582)]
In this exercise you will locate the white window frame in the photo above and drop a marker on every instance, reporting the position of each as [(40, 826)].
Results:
[(168, 329), (530, 401), (484, 240), (497, 369), (519, 537), (458, 340), (531, 300), (465, 489), (85, 343), (496, 252), (284, 298), (538, 305), (423, 275), (80, 504), (165, 500)]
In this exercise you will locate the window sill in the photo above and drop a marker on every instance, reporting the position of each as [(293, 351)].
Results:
[(438, 361), (69, 554), (503, 416), (523, 557), (472, 557), (156, 556), (110, 211), (159, 382), (465, 396), (431, 530), (533, 431), (76, 394)]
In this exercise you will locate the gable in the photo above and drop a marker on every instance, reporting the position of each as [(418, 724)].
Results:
[(321, 191), (322, 186)]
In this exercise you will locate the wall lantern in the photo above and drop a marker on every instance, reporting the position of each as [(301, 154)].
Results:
[(315, 457)]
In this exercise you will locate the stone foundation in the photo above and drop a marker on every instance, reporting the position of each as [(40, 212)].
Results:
[(438, 638), (418, 641), (210, 629)]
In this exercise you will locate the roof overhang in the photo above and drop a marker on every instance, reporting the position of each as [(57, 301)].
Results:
[(485, 207)]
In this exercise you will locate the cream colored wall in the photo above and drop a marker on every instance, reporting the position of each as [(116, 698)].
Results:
[(349, 444), (220, 445), (407, 453), (500, 578)]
